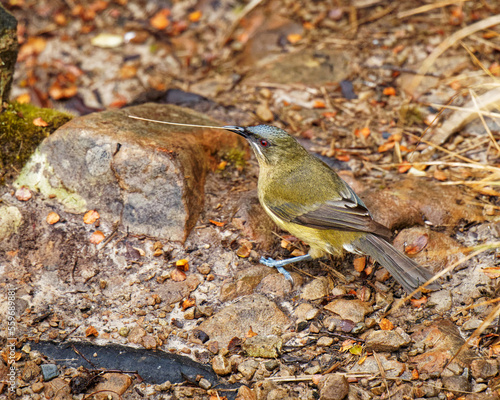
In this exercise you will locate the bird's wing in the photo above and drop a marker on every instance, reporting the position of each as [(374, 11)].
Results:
[(347, 213)]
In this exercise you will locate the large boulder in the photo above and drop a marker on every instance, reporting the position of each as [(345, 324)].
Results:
[(147, 176)]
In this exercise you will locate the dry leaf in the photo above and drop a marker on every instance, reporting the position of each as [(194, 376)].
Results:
[(222, 165), (414, 374), (359, 263), (24, 98), (250, 333), (23, 194), (294, 38), (128, 71), (97, 237), (297, 253), (329, 114), (58, 91), (182, 264), (217, 223), (160, 20), (440, 175), (52, 218), (187, 303), (417, 245), (389, 91), (194, 16), (177, 275), (386, 147), (39, 122), (492, 272), (90, 217), (404, 167), (343, 157), (386, 325), (319, 104), (244, 249), (91, 331), (418, 302)]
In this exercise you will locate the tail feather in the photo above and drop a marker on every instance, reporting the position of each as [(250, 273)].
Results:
[(406, 271)]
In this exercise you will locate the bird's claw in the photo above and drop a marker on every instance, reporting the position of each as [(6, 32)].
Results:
[(278, 265)]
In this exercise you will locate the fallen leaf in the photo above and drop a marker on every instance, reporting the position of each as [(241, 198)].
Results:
[(60, 19), (194, 16), (58, 91), (23, 194), (492, 272), (52, 218), (217, 223), (250, 333), (39, 122), (6, 355), (244, 249), (386, 147), (187, 303), (329, 114), (128, 71), (182, 264), (294, 38), (177, 275), (414, 374), (418, 302), (97, 237), (359, 263), (365, 132), (346, 345), (319, 104), (160, 20), (91, 331), (386, 325), (389, 91), (91, 216), (343, 157), (222, 165), (417, 245), (297, 253), (404, 167), (24, 98), (356, 350)]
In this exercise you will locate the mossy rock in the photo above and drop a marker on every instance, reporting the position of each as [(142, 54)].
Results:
[(20, 136)]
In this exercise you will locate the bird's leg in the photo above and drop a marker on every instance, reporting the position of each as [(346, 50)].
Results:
[(279, 264)]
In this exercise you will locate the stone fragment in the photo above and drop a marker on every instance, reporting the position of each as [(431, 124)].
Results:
[(10, 221), (353, 310), (37, 387), (276, 285), (245, 393), (9, 47), (111, 382), (441, 301), (221, 365), (30, 371), (136, 334), (333, 387), (392, 368), (148, 176), (247, 368), (325, 341), (386, 340), (484, 369), (49, 371), (316, 289), (456, 383), (246, 281), (149, 342), (269, 346), (235, 320)]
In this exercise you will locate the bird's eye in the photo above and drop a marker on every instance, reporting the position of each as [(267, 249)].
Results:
[(264, 143)]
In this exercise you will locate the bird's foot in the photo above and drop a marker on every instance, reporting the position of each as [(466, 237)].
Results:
[(278, 265)]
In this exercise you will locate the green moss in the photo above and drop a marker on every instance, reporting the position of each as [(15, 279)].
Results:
[(236, 157), (19, 136), (411, 114)]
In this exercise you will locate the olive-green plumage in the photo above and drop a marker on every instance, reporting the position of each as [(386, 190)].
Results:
[(305, 197)]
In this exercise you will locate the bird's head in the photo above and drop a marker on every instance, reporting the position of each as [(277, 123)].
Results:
[(270, 144)]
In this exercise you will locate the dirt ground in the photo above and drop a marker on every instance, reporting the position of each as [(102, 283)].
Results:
[(386, 92)]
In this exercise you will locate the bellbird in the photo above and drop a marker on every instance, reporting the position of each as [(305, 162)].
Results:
[(305, 197)]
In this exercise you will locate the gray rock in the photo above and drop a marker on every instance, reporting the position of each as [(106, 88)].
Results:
[(269, 346), (254, 310), (9, 47), (353, 310), (49, 371), (148, 176), (333, 387), (247, 368), (484, 369), (457, 383), (386, 340), (393, 368), (10, 221), (221, 365), (316, 289), (441, 301)]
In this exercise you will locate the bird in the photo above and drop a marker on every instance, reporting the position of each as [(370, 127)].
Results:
[(308, 199)]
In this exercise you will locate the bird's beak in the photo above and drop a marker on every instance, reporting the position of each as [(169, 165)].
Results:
[(237, 129)]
